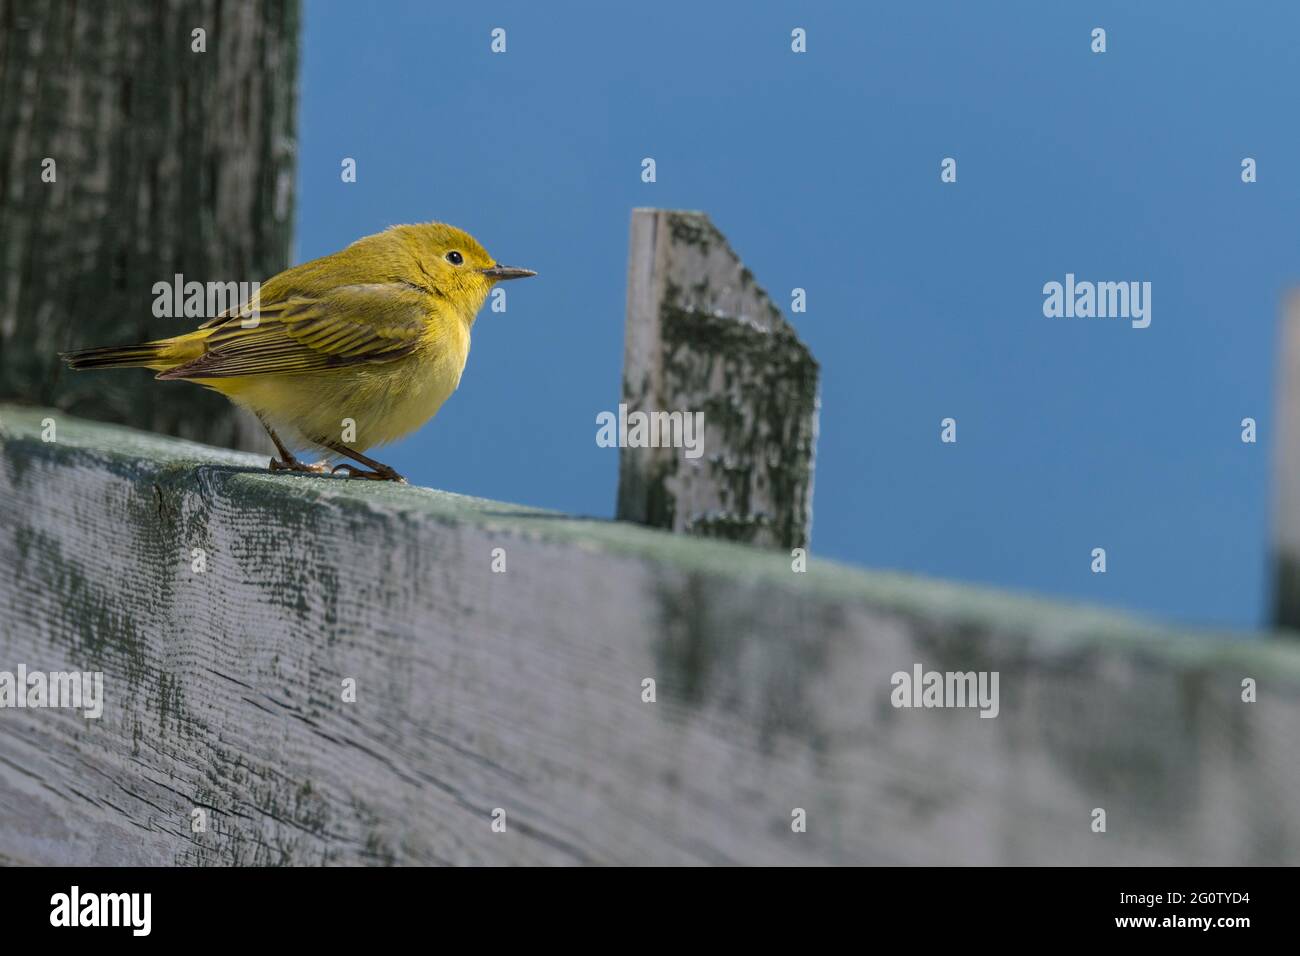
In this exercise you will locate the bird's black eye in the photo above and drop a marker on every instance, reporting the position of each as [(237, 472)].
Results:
[(455, 258)]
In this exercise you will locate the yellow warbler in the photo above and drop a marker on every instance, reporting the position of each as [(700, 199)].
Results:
[(345, 352)]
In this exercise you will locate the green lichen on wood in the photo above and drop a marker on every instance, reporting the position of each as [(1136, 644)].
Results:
[(693, 229), (706, 651), (765, 413), (386, 508), (103, 633), (721, 348), (737, 637), (1286, 591), (748, 529)]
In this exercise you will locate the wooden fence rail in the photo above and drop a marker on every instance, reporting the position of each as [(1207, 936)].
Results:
[(230, 610)]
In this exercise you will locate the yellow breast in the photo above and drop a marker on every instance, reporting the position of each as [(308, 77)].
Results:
[(363, 406)]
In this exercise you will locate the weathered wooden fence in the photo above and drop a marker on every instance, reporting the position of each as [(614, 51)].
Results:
[(227, 609), (138, 141), (306, 670), (1285, 559), (703, 339)]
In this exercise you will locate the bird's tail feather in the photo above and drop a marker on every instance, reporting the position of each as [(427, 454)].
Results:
[(115, 356)]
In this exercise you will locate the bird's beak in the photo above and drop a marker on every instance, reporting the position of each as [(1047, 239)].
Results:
[(501, 273)]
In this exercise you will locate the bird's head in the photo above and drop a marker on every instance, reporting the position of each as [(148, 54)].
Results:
[(453, 265)]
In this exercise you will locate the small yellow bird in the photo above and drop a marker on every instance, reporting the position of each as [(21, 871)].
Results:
[(364, 345)]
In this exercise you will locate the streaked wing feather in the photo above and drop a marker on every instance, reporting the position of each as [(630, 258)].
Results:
[(350, 325)]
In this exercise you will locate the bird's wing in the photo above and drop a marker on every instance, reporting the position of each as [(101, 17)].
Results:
[(349, 325)]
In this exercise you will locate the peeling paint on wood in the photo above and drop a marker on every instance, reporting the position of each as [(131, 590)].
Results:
[(522, 690), (703, 337)]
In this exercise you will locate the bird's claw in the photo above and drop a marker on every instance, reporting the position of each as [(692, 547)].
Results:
[(354, 472), (293, 464)]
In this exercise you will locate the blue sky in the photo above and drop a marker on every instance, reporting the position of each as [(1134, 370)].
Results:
[(924, 299)]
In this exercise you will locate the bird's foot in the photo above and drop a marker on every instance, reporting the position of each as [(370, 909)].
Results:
[(289, 463), (382, 473)]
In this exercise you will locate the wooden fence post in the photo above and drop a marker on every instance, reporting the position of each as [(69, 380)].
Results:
[(703, 337), (1286, 495), (133, 148)]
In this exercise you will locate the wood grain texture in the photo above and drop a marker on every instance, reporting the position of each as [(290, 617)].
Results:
[(522, 690), (167, 161), (702, 336)]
